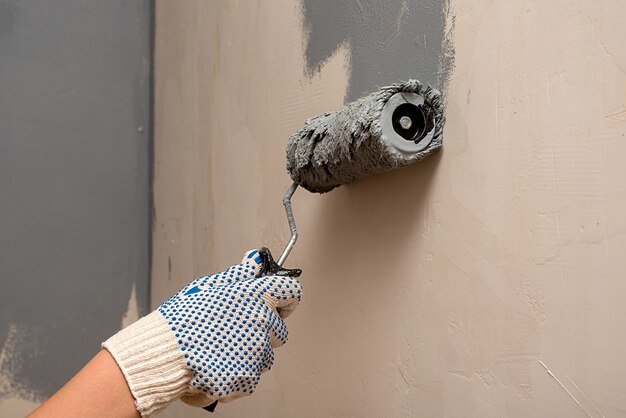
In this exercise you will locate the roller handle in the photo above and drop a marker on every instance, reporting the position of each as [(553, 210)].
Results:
[(292, 223)]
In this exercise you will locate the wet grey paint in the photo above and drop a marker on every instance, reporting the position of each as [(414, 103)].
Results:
[(74, 182), (390, 40)]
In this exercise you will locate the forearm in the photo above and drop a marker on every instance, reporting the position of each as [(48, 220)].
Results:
[(98, 390), (209, 342)]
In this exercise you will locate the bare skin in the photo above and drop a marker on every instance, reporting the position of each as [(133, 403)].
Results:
[(98, 390)]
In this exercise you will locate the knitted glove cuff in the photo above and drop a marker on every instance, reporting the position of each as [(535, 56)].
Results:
[(152, 363)]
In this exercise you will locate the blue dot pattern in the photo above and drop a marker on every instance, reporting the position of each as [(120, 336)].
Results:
[(227, 325)]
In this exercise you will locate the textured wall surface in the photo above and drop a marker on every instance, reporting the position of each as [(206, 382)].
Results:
[(485, 281), (74, 186)]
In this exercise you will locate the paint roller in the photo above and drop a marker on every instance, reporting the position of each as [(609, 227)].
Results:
[(388, 129)]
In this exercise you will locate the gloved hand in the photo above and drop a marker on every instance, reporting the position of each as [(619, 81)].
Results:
[(210, 341)]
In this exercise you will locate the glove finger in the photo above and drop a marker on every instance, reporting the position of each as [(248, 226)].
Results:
[(277, 334), (252, 261), (283, 294), (267, 360), (249, 268)]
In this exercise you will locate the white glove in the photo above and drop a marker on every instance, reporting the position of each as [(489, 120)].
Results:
[(210, 341)]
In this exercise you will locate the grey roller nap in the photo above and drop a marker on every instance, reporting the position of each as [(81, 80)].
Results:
[(343, 146)]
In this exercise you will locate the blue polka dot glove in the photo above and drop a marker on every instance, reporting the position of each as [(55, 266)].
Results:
[(212, 340)]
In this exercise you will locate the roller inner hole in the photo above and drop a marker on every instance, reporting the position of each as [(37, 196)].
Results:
[(410, 121)]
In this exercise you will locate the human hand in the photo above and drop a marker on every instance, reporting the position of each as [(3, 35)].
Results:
[(212, 340)]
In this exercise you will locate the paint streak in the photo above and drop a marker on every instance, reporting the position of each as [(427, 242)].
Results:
[(389, 40), (571, 395), (585, 396), (14, 358), (132, 312)]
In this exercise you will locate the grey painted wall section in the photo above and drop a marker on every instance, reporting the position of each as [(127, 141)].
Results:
[(74, 182), (390, 40)]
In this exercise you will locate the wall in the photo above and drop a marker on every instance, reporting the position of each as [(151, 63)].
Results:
[(485, 281), (74, 186)]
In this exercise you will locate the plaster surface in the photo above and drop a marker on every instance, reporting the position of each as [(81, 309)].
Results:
[(487, 280)]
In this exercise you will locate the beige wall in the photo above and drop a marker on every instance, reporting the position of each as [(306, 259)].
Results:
[(486, 281)]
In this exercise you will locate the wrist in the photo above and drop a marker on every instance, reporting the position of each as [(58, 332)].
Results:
[(152, 363)]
